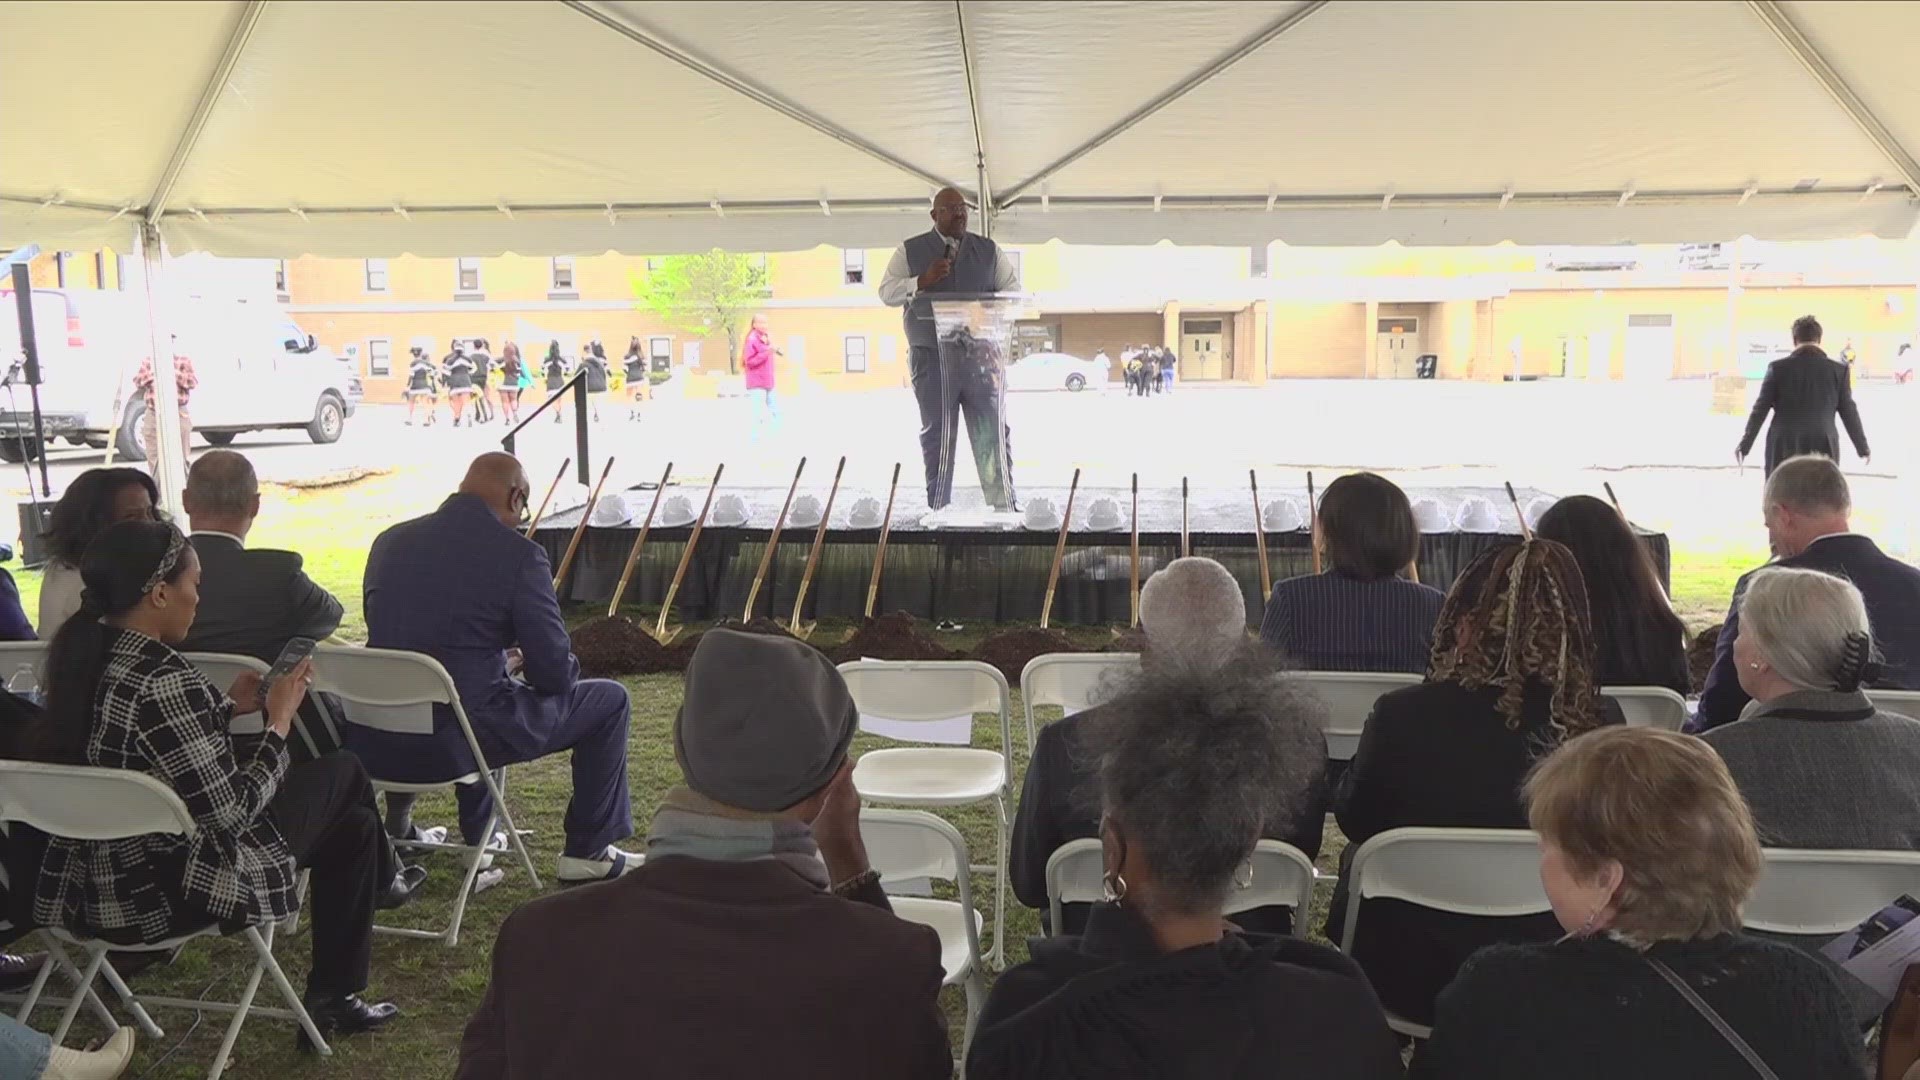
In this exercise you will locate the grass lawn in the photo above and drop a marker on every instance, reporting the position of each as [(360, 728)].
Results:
[(439, 987)]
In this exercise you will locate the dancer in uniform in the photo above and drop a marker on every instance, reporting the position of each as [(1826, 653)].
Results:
[(555, 367), (597, 370), (422, 385), (512, 371), (639, 386), (459, 376), (482, 370)]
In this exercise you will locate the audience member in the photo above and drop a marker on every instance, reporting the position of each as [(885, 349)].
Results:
[(25, 1054), (1819, 765), (508, 652), (1647, 854), (1511, 677), (120, 697), (96, 499), (756, 940), (14, 624), (1195, 618), (1195, 766), (1359, 615), (1806, 508), (252, 600), (1638, 640)]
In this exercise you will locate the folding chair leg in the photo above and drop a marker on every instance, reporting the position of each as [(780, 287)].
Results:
[(300, 895), (506, 818), (261, 959), (96, 955), (56, 954), (474, 859), (976, 987), (263, 948), (127, 998), (999, 957)]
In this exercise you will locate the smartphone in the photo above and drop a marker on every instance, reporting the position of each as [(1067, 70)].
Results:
[(297, 650)]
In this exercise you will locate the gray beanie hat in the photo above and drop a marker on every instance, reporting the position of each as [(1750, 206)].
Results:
[(765, 720)]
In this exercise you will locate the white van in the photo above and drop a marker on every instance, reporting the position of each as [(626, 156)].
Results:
[(256, 371)]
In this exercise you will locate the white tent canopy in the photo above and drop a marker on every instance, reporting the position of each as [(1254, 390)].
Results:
[(575, 126)]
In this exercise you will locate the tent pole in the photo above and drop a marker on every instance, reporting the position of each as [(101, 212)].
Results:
[(1803, 50), (169, 470)]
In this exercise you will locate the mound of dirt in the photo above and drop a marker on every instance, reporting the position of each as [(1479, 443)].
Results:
[(609, 648), (1010, 650), (895, 636), (681, 651), (1700, 656), (1134, 640)]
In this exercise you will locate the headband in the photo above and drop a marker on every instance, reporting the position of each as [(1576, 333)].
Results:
[(176, 543)]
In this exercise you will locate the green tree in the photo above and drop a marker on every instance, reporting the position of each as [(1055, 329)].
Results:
[(704, 293)]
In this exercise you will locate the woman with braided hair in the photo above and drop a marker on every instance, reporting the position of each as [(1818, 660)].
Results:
[(1511, 677), (1821, 766)]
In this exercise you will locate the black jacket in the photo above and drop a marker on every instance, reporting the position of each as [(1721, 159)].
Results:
[(1804, 389), (1891, 589), (254, 600), (1438, 755), (1109, 1003), (1594, 1009), (1060, 801)]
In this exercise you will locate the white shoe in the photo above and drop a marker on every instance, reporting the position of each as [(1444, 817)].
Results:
[(103, 1064), (606, 866)]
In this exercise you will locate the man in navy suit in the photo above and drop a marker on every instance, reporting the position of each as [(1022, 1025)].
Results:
[(507, 649), (1807, 506)]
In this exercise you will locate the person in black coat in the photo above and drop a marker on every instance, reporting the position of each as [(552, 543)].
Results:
[(1808, 508), (1194, 615), (1804, 389), (1647, 854), (1193, 767), (1638, 640), (1511, 677)]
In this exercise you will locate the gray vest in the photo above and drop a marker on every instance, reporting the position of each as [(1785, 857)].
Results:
[(973, 273)]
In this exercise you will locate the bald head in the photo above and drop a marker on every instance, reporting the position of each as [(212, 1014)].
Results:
[(950, 213), (222, 493), (499, 481)]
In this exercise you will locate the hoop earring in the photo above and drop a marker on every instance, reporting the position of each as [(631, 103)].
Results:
[(1243, 877), (1113, 887)]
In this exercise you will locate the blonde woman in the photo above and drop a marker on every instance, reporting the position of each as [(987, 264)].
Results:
[(1647, 853)]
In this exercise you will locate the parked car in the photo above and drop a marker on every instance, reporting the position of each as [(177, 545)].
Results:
[(257, 371), (1057, 371)]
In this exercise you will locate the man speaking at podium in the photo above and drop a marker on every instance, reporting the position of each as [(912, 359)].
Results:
[(948, 260)]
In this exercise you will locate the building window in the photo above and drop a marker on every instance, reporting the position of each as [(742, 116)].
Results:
[(856, 353), (280, 276), (376, 270), (853, 265), (654, 262), (469, 274), (660, 351), (562, 273), (379, 357)]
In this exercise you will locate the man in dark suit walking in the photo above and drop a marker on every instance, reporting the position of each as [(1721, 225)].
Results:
[(1807, 510), (1804, 389)]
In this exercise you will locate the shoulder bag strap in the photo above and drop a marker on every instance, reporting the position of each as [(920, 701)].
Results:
[(1719, 1024)]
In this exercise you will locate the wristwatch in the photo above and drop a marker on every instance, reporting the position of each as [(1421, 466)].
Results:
[(864, 879)]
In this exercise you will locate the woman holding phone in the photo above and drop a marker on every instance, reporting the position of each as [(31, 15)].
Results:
[(120, 697)]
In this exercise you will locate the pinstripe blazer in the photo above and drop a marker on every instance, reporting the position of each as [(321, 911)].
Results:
[(1336, 622)]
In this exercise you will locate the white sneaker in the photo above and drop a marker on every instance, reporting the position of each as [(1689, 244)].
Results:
[(103, 1064), (606, 866)]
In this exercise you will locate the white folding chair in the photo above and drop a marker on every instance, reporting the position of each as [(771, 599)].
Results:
[(924, 691), (1489, 872), (395, 691), (83, 803), (1649, 706), (913, 845), (1897, 702), (1814, 892), (1072, 681), (1349, 698), (28, 657), (1283, 876), (222, 668)]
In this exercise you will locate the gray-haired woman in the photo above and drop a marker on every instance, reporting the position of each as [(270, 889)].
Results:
[(1819, 764), (1193, 765)]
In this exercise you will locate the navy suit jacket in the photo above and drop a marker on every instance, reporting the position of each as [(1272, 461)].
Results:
[(1334, 622), (1892, 592), (463, 588)]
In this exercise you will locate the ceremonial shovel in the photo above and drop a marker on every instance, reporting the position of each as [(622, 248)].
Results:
[(773, 541), (580, 530), (1059, 551), (633, 557), (880, 552), (663, 633), (534, 523), (813, 557)]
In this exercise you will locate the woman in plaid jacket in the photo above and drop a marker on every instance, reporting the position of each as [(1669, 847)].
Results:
[(120, 697)]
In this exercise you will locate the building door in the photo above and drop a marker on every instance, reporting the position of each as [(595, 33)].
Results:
[(1398, 347), (1649, 348), (1201, 356)]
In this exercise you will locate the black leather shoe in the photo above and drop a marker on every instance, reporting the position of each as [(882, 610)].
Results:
[(402, 889), (347, 1015), (17, 970)]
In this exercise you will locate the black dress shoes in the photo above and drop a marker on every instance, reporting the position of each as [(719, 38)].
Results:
[(402, 889), (17, 970), (344, 1015)]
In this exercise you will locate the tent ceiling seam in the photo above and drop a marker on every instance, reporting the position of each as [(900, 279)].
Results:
[(750, 91), (203, 109), (1192, 82), (1803, 50), (973, 105)]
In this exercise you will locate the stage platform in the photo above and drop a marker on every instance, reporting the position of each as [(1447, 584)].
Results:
[(981, 575)]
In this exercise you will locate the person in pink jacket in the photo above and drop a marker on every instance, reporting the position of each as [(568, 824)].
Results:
[(758, 361)]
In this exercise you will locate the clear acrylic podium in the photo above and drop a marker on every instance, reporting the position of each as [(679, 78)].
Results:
[(976, 344)]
